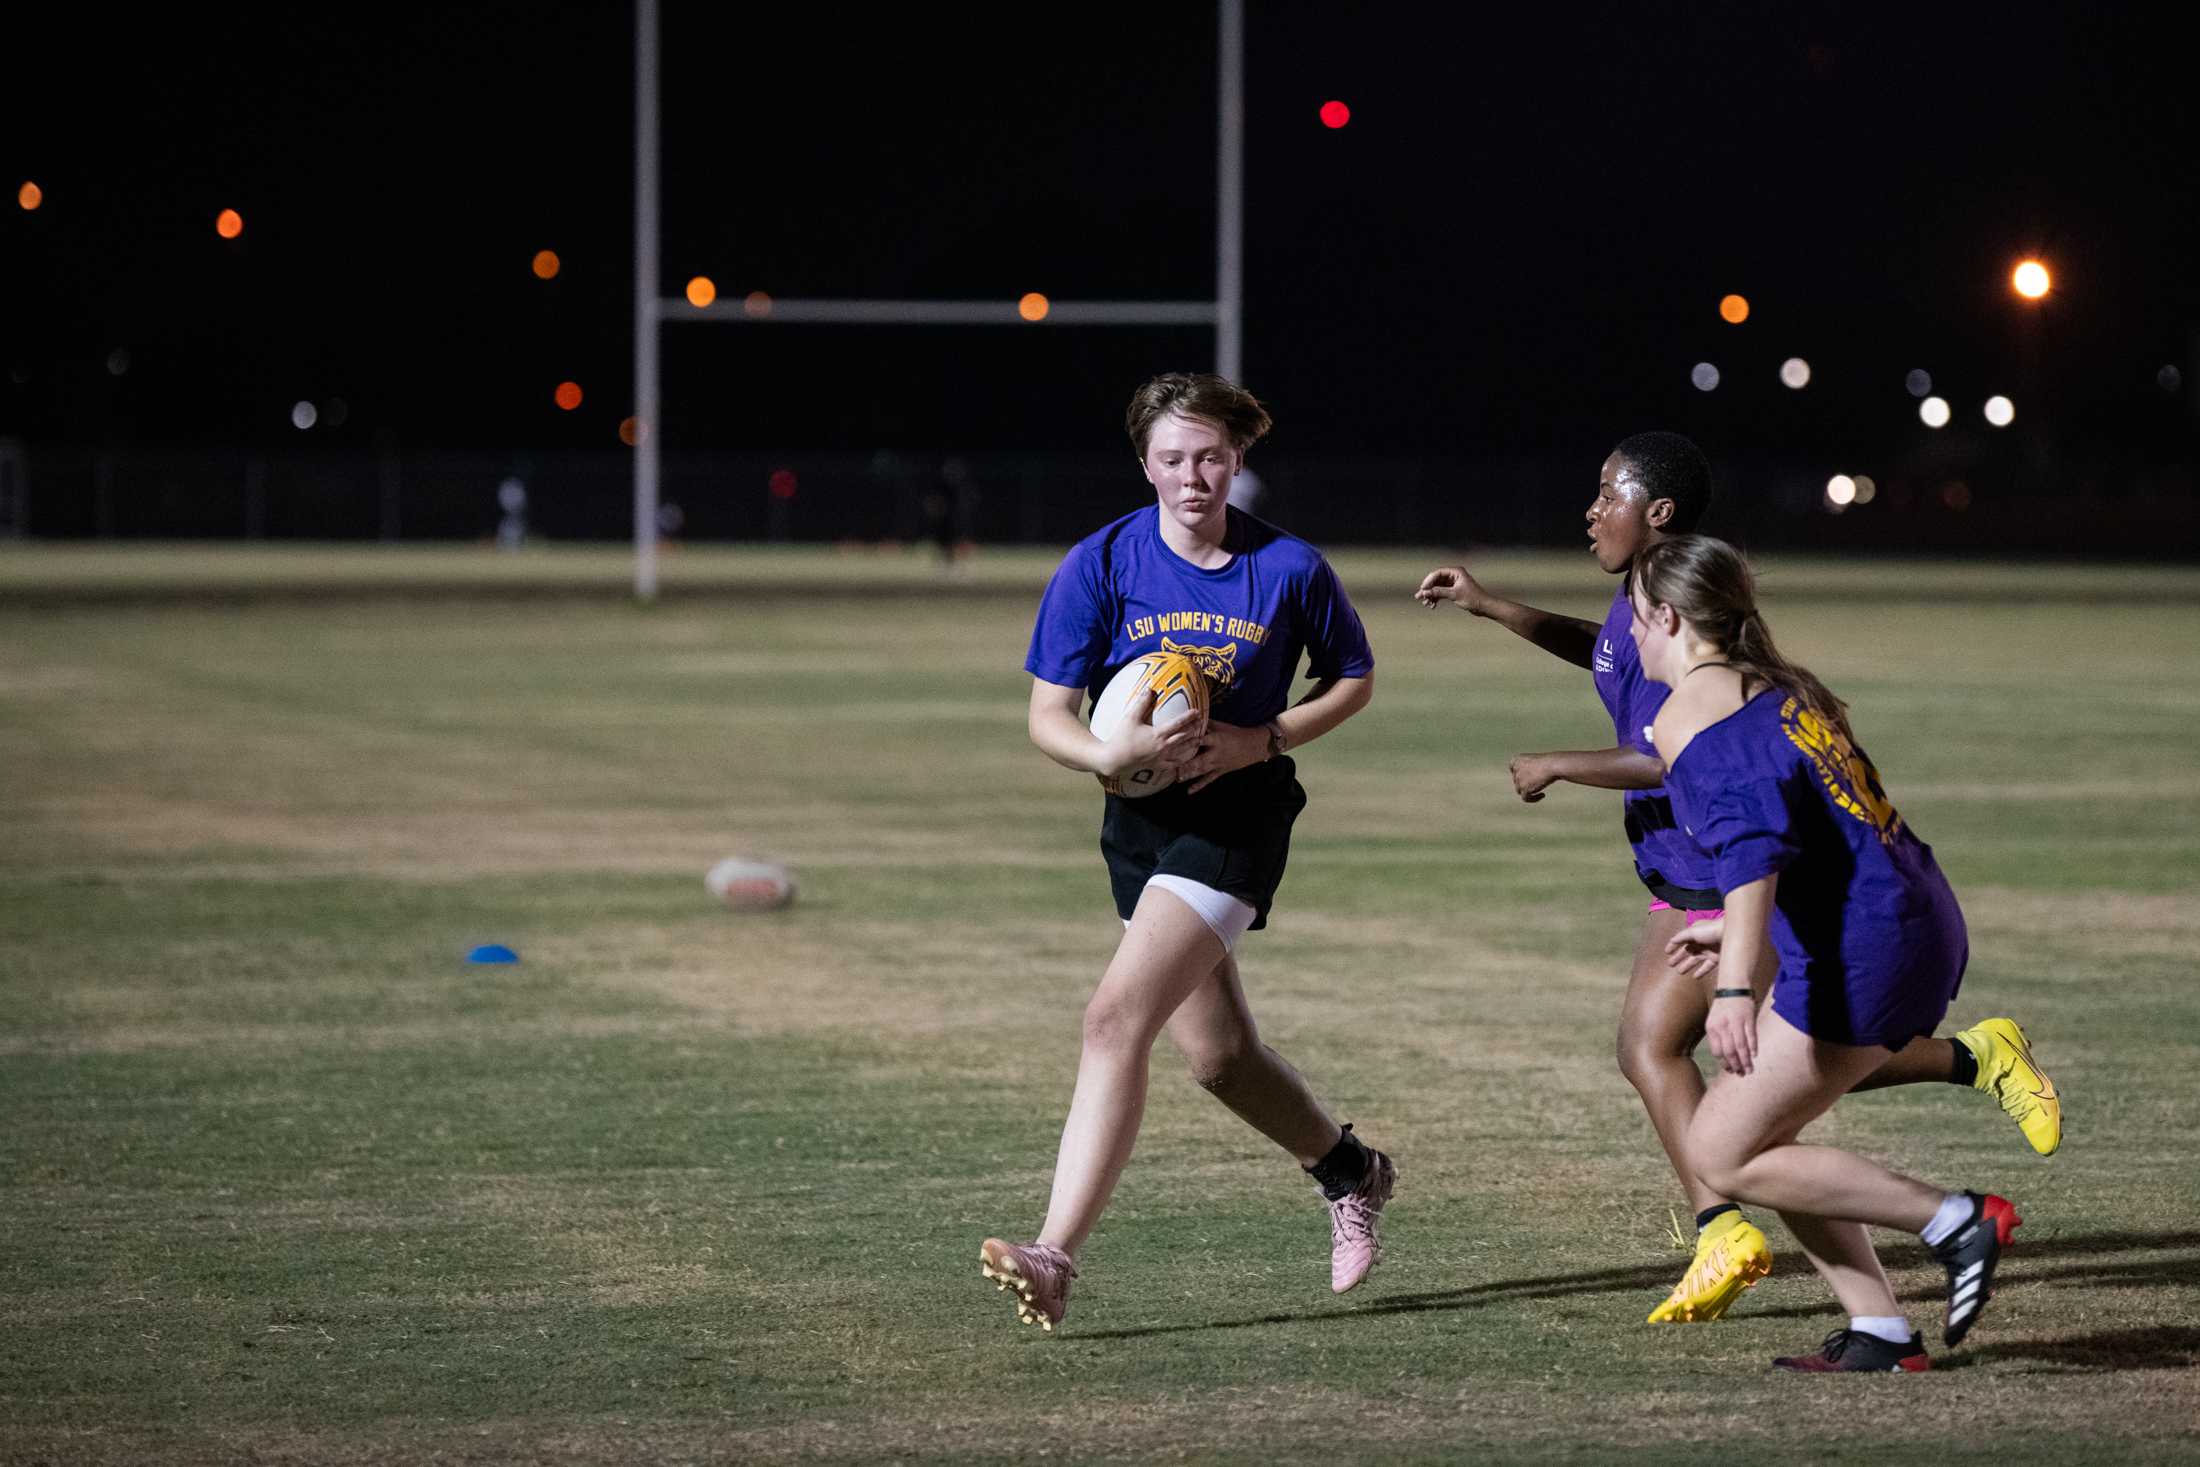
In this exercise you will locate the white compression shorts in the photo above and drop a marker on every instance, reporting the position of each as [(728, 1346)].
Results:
[(1225, 915)]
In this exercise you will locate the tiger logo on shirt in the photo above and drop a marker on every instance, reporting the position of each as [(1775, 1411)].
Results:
[(1218, 664), (1843, 768)]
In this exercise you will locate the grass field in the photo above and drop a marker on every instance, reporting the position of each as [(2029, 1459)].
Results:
[(287, 1180)]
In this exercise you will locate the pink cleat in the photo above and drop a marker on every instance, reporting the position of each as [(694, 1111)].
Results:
[(1354, 1245), (1038, 1274)]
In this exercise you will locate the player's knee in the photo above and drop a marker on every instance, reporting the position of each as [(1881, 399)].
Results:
[(1111, 1024), (1219, 1069)]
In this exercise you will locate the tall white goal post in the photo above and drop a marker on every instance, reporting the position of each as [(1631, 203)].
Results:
[(652, 309)]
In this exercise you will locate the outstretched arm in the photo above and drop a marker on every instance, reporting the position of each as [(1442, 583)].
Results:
[(1604, 769), (1566, 637)]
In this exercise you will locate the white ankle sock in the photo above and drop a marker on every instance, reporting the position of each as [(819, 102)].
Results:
[(1893, 1328), (1955, 1211)]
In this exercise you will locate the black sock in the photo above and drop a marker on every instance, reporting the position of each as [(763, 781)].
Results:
[(1704, 1217), (1344, 1168), (1965, 1069)]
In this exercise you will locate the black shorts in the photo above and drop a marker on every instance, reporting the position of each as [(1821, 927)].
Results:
[(1234, 835), (1680, 898)]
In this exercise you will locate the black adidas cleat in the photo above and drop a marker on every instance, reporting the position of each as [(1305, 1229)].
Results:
[(1853, 1349), (1970, 1254)]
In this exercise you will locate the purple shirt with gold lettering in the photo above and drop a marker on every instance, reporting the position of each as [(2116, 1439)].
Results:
[(1121, 593), (1872, 944)]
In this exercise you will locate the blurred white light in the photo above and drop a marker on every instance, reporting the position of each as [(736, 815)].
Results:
[(1919, 382), (1840, 489), (2000, 411), (1933, 412), (2169, 379), (1704, 375), (1865, 488), (302, 415), (1795, 372), (118, 361)]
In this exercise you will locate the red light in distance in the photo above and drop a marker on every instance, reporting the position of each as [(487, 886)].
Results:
[(1335, 114)]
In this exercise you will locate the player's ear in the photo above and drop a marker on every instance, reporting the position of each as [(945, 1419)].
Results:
[(1660, 511)]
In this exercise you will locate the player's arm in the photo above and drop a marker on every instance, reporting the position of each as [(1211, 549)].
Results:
[(1061, 734), (1605, 769), (1229, 746), (1741, 938), (1566, 637)]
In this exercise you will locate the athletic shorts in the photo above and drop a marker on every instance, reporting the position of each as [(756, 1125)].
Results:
[(1680, 898), (1234, 835)]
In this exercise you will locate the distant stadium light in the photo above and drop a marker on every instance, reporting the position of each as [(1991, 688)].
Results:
[(1734, 309), (631, 431), (30, 195), (1841, 489), (1335, 115), (783, 484), (1865, 489), (2000, 411), (756, 305), (303, 416), (1933, 412), (1795, 372), (1704, 375), (568, 395), (702, 290), (546, 264), (1033, 307), (229, 224), (118, 361), (2031, 280), (1956, 495), (1919, 382), (2169, 379)]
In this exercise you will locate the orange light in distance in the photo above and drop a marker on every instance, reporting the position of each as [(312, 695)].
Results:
[(229, 224), (631, 432), (1734, 309), (2030, 280), (756, 305), (702, 291), (568, 395), (1032, 307), (546, 264), (30, 195)]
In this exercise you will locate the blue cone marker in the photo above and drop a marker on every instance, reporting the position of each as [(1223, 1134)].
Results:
[(492, 952)]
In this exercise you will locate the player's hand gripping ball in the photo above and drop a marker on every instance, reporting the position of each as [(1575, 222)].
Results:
[(1179, 691)]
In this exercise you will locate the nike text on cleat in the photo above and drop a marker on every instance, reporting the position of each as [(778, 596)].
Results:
[(1038, 1274), (1970, 1254), (2008, 1072), (1355, 1242), (1728, 1261), (1855, 1350)]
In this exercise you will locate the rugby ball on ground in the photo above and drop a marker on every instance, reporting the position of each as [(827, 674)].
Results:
[(1179, 691), (748, 884)]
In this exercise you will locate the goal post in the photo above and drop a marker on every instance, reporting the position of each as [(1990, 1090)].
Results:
[(652, 309)]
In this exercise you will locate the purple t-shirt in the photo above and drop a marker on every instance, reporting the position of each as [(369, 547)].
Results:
[(1121, 593), (1871, 942), (1664, 855)]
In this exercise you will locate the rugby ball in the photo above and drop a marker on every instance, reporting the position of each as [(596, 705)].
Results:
[(1179, 690), (748, 884)]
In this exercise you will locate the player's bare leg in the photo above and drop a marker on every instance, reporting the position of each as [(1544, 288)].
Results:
[(1164, 954), (1215, 1032), (1660, 1024)]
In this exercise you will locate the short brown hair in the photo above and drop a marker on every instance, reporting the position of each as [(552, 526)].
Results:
[(1218, 400)]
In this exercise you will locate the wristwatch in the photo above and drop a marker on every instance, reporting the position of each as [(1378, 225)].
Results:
[(1278, 740)]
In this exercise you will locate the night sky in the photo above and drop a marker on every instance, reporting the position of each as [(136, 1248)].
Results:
[(1517, 245)]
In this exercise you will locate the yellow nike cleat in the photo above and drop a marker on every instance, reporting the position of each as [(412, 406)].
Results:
[(1729, 1259), (2007, 1071)]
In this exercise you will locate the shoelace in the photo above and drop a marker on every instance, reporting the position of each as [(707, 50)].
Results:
[(1351, 1219), (1837, 1344)]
